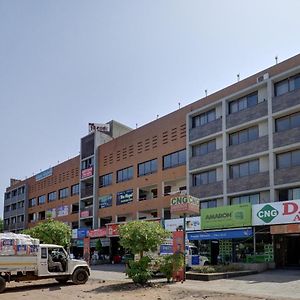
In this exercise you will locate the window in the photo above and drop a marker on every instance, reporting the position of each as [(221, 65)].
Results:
[(43, 253), (287, 85), (174, 159), (287, 122), (7, 195), (253, 199), (289, 194), (20, 204), (124, 197), (204, 178), (288, 159), (125, 174), (52, 196), (42, 199), (204, 148), (85, 164), (105, 201), (204, 118), (243, 136), (75, 189), (105, 180), (7, 208), (243, 103), (208, 204), (147, 167), (32, 202), (244, 169), (63, 193)]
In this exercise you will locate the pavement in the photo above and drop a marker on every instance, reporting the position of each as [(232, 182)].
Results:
[(275, 284)]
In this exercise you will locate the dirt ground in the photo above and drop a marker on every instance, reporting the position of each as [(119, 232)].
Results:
[(113, 290)]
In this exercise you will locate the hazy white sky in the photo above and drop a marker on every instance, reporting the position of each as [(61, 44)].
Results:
[(66, 63)]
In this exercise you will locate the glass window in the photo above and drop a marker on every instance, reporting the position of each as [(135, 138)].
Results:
[(284, 160), (125, 174), (52, 196), (105, 180), (242, 104), (147, 167), (296, 194), (281, 88), (297, 82), (75, 189), (204, 118), (253, 167), (212, 176), (172, 160), (233, 107), (204, 178), (254, 199), (211, 146), (63, 193), (251, 198), (295, 120), (235, 171), (282, 124), (208, 204), (243, 136), (253, 133), (252, 100), (42, 199), (244, 170), (296, 158), (211, 116), (234, 139)]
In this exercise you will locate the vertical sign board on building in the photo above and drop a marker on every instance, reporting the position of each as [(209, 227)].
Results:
[(191, 223), (86, 249), (226, 216), (285, 212), (178, 248)]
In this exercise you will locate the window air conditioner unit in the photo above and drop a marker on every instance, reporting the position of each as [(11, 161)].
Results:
[(262, 77)]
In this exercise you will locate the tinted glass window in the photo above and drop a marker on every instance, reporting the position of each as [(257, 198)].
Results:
[(284, 160), (296, 158), (281, 88), (243, 136), (234, 139), (295, 120), (253, 167), (253, 133), (244, 169), (282, 124), (211, 146), (233, 107), (252, 100)]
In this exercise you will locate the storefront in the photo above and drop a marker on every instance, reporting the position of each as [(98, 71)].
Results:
[(283, 219)]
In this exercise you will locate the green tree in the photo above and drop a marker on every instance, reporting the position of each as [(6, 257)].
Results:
[(51, 232), (142, 236), (1, 225)]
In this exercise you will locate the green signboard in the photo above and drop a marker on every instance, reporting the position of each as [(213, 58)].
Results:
[(226, 216)]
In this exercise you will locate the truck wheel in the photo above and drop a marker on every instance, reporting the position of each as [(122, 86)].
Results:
[(80, 276), (2, 284)]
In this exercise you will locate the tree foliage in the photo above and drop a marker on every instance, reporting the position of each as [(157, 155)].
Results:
[(141, 236), (1, 225), (51, 232)]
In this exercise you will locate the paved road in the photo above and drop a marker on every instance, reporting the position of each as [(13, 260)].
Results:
[(278, 284)]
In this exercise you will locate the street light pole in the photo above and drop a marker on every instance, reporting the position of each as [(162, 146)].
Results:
[(184, 250)]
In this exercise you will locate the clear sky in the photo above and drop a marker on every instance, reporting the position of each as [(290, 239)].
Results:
[(66, 63)]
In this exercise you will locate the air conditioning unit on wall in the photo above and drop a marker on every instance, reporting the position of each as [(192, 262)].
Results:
[(262, 77)]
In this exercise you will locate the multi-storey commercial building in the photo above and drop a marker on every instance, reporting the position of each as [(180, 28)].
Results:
[(238, 145)]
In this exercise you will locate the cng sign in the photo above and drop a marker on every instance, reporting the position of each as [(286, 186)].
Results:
[(267, 213), (286, 212)]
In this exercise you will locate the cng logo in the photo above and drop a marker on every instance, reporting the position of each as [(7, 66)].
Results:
[(268, 213)]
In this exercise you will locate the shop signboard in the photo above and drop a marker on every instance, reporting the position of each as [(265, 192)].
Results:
[(220, 234), (100, 232), (229, 216), (105, 242), (99, 127), (112, 229), (124, 197), (184, 204), (285, 212), (192, 223), (105, 201), (81, 233), (87, 173), (84, 214), (74, 233), (62, 211)]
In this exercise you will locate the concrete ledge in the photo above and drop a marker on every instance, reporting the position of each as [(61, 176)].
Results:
[(215, 276)]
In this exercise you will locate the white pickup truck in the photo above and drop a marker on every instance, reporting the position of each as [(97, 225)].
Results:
[(50, 261)]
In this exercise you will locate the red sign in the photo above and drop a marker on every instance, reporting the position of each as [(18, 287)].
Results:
[(113, 229), (178, 247), (100, 232), (84, 214), (285, 229), (86, 249), (87, 173)]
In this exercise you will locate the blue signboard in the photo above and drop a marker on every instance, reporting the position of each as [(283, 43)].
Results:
[(166, 249), (124, 197), (105, 201), (220, 234), (82, 233)]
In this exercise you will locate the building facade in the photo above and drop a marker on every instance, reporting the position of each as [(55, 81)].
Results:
[(239, 145)]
